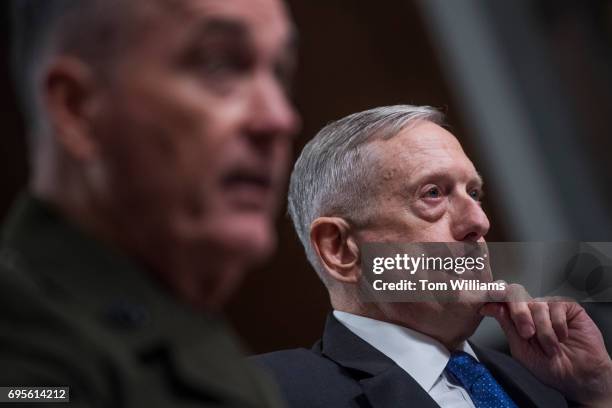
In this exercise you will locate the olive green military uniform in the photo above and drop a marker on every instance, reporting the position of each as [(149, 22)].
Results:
[(74, 312)]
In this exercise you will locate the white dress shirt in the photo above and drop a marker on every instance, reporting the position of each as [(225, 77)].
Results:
[(422, 357)]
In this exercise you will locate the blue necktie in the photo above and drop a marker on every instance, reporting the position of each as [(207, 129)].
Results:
[(478, 382)]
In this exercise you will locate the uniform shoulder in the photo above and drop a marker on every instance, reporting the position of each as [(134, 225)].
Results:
[(42, 343)]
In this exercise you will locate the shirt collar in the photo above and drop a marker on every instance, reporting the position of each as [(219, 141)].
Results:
[(421, 356)]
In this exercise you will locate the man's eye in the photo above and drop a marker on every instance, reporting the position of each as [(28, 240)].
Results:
[(215, 66), (223, 65), (476, 195), (433, 192)]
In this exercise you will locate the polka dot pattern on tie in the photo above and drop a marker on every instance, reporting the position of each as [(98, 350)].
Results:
[(478, 382)]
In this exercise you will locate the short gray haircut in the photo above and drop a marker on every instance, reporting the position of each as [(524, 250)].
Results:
[(333, 175), (93, 30)]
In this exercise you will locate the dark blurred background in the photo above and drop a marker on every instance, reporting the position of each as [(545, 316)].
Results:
[(526, 86)]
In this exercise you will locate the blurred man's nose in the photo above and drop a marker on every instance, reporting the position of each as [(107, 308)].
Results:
[(271, 114), (469, 223)]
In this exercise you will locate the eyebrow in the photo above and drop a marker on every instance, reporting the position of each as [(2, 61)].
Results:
[(236, 30), (219, 26), (234, 33), (441, 174), (480, 180)]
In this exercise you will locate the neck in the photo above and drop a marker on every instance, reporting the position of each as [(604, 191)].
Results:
[(449, 327), (186, 271)]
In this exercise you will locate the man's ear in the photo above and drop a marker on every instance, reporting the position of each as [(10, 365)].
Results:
[(336, 247), (68, 97)]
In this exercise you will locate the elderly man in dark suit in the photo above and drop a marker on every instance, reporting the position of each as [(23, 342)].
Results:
[(394, 174), (160, 133)]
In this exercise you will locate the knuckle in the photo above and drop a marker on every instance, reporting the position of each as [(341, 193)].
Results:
[(523, 316), (558, 325), (538, 307)]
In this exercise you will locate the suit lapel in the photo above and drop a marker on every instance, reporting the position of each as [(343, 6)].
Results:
[(384, 383), (394, 387)]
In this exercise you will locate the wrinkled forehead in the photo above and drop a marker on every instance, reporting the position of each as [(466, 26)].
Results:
[(424, 148), (264, 22)]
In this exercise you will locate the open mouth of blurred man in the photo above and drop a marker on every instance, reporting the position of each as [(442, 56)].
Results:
[(250, 188)]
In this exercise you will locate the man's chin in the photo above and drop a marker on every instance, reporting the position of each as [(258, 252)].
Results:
[(238, 238), (248, 237)]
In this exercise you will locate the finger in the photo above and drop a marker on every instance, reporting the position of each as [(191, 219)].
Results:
[(544, 330), (491, 309), (518, 308), (499, 312), (522, 319), (558, 317), (495, 295)]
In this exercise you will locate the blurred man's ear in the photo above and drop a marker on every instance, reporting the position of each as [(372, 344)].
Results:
[(337, 249), (68, 96)]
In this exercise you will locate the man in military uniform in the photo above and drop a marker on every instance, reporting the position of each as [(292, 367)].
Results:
[(159, 136)]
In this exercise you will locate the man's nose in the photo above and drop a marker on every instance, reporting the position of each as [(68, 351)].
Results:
[(271, 115), (470, 223)]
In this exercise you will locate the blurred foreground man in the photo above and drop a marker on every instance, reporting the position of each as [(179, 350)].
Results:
[(393, 174), (160, 133)]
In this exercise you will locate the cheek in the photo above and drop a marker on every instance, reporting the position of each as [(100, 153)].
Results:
[(183, 117), (156, 146), (430, 212), (193, 123), (430, 223)]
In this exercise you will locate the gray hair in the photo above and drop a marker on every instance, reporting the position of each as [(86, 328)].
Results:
[(93, 30), (332, 176)]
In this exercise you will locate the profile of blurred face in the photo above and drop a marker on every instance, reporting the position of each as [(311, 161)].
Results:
[(192, 138)]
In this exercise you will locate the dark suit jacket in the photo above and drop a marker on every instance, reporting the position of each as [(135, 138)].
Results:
[(342, 370), (78, 313)]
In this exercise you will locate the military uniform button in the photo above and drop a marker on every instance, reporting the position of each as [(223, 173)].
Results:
[(127, 315)]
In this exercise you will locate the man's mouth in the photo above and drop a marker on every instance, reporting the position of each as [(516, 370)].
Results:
[(240, 179), (249, 189)]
